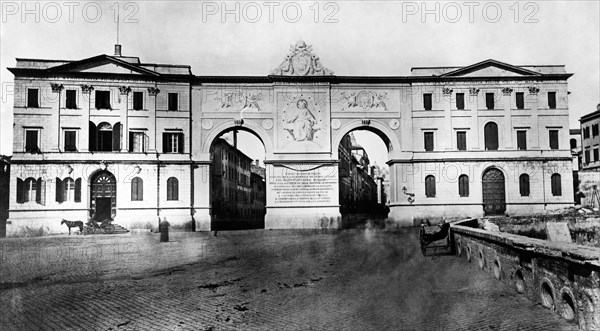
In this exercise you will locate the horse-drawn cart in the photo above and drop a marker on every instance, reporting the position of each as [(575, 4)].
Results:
[(105, 225)]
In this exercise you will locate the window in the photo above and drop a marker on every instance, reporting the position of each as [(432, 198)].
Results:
[(427, 101), (556, 185), (573, 143), (428, 136), (594, 130), (552, 100), (70, 141), (137, 189), (71, 99), (109, 137), (172, 189), (430, 186), (138, 100), (520, 100), (553, 134), (136, 142), (68, 190), (461, 140), (489, 101), (587, 156), (32, 98), (595, 154), (31, 189), (524, 185), (103, 100), (491, 136), (460, 101), (463, 185), (172, 142), (522, 140), (173, 101), (31, 141), (586, 132)]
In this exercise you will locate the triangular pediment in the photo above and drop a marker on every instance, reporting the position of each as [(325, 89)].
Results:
[(103, 64), (491, 68)]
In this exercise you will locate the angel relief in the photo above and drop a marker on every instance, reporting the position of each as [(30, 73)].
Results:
[(239, 101), (300, 122), (366, 100)]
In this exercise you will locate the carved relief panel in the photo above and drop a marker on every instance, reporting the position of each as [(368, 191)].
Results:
[(242, 100), (303, 121)]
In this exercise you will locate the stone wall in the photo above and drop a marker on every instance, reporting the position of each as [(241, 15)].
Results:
[(563, 277)]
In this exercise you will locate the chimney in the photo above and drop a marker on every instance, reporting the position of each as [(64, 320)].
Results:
[(257, 164), (118, 50), (598, 107)]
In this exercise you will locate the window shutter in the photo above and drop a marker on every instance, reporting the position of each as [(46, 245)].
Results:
[(20, 191), (59, 190), (116, 137), (93, 136), (131, 141), (180, 143), (140, 189), (165, 142), (40, 193), (78, 190)]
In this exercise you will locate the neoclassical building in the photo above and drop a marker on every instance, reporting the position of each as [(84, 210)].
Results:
[(116, 137)]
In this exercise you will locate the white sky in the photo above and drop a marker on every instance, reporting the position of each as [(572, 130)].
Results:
[(358, 38)]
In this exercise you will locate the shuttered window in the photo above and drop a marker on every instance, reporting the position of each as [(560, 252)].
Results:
[(556, 185), (552, 100), (489, 101), (522, 140), (463, 186), (427, 104), (102, 100), (70, 140), (587, 156), (524, 185), (138, 100), (430, 186), (137, 189), (31, 141), (428, 137), (520, 100), (172, 189), (460, 101), (172, 142), (173, 102), (491, 136), (595, 154), (553, 135), (461, 140), (32, 98), (71, 99)]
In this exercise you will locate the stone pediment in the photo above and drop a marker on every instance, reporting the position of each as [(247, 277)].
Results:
[(301, 62), (491, 68), (103, 64)]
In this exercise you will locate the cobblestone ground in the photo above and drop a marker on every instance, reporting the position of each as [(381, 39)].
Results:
[(259, 280)]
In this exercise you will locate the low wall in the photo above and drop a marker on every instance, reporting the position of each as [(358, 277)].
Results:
[(562, 277)]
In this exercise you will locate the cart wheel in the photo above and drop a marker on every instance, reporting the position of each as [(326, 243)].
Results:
[(109, 229), (91, 229)]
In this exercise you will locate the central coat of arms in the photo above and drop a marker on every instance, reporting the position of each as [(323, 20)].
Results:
[(301, 62)]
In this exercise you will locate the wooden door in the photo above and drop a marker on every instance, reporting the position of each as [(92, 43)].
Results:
[(494, 198)]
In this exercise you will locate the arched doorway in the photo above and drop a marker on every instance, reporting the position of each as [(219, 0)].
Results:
[(103, 195), (494, 198), (237, 181), (363, 176)]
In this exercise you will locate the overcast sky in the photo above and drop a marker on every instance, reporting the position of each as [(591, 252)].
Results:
[(375, 38)]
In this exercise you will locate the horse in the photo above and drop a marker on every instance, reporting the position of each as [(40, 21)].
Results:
[(73, 224)]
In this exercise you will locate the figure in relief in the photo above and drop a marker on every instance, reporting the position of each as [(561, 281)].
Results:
[(300, 122)]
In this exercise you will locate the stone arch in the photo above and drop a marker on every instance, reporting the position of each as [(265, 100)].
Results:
[(382, 130), (248, 126)]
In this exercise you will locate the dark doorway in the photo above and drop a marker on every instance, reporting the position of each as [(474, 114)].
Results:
[(103, 200), (494, 199)]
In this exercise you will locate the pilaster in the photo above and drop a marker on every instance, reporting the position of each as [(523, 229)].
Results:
[(84, 138), (55, 121), (507, 138), (152, 95), (449, 143), (535, 130), (474, 103), (123, 99)]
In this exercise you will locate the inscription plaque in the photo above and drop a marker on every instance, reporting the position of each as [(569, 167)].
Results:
[(303, 185)]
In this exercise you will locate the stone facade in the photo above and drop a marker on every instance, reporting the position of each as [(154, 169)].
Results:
[(465, 132), (562, 277)]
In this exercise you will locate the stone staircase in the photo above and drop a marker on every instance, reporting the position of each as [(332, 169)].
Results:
[(119, 229)]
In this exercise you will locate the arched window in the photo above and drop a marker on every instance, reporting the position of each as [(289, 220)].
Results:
[(463, 186), (524, 185), (491, 136), (430, 186), (137, 189), (556, 185), (30, 190), (573, 143), (69, 189), (172, 189)]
